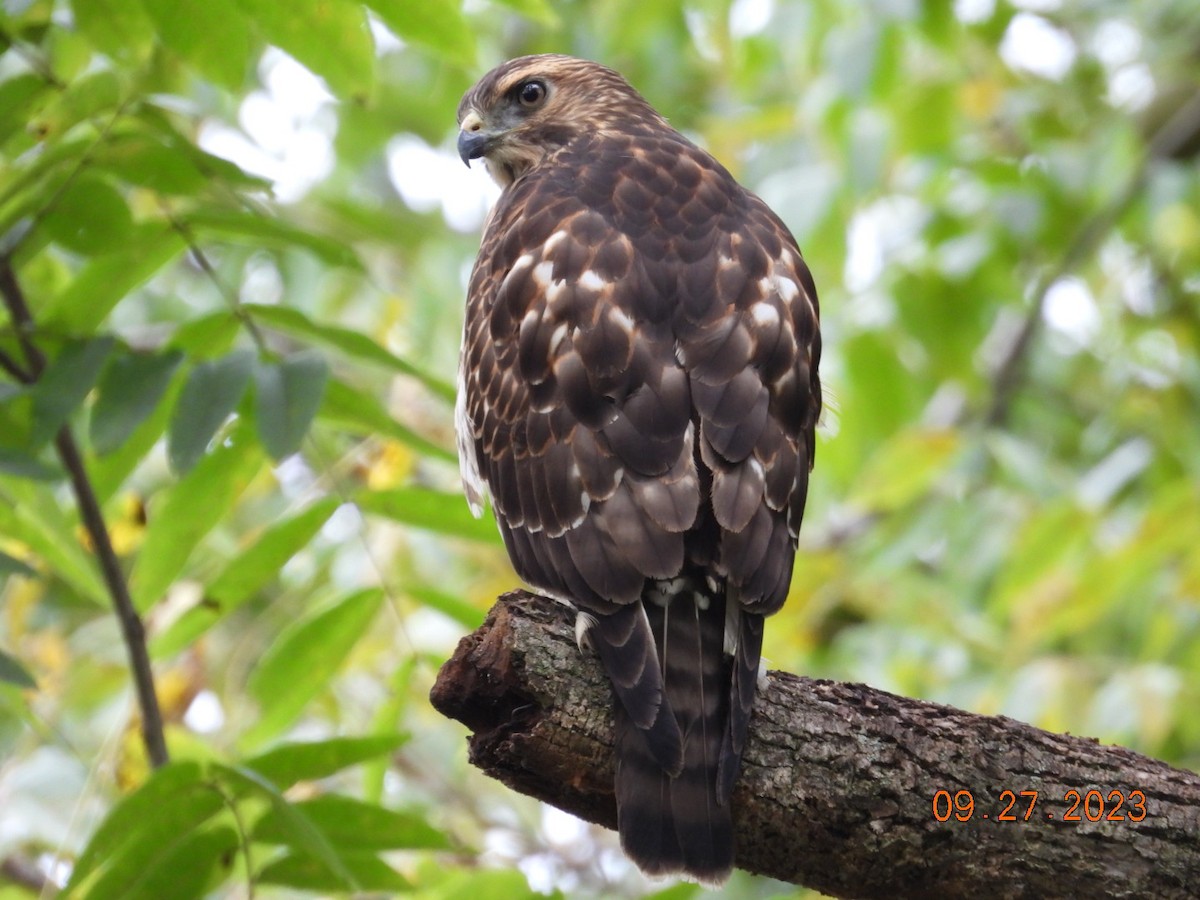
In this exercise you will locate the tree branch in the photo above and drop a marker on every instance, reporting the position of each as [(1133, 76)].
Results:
[(839, 780), (92, 517), (24, 872), (132, 629), (13, 368)]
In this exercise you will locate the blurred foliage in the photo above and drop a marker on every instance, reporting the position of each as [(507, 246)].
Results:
[(243, 240)]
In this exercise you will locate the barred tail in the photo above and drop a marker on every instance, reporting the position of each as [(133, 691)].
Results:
[(681, 823)]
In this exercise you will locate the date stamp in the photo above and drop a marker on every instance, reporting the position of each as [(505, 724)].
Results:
[(1022, 806)]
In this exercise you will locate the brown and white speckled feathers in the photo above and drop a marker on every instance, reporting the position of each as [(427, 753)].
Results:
[(638, 392)]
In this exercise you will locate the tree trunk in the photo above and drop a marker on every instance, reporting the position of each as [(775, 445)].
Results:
[(843, 786)]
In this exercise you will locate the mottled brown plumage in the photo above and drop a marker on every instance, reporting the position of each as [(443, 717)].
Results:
[(638, 392)]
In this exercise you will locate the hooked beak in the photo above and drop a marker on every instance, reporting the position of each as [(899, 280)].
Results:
[(472, 146), (473, 140)]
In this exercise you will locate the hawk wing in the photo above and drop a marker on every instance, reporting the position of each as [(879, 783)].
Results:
[(639, 395)]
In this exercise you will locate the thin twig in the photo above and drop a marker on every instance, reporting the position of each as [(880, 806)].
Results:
[(243, 835), (13, 368), (231, 297), (206, 266), (1166, 141), (1011, 371), (22, 319), (92, 517), (131, 623), (24, 872)]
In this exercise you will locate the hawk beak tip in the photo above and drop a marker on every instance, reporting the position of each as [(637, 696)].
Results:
[(472, 145)]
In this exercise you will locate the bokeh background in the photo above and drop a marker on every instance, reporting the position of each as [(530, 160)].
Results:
[(999, 201)]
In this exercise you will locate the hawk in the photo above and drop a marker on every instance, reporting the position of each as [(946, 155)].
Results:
[(638, 392)]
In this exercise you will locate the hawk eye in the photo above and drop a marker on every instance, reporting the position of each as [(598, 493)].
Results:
[(531, 93)]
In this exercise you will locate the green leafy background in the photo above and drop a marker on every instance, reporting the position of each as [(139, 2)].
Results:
[(253, 335)]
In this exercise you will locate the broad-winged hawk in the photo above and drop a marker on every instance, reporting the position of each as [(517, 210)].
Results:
[(638, 392)]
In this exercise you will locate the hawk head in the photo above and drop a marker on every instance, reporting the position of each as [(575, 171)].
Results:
[(523, 110)]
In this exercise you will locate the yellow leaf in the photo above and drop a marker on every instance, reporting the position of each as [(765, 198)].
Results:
[(391, 467), (1177, 228), (133, 767), (21, 595), (127, 532), (979, 97)]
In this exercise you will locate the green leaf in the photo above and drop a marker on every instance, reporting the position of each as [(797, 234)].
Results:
[(149, 128), (301, 831), (400, 690), (353, 343), (147, 161), (488, 884), (179, 520), (16, 418), (360, 412), (302, 661), (175, 800), (681, 891), (12, 566), (207, 337), (26, 465), (447, 604), (253, 568), (245, 575), (290, 763), (331, 37), (288, 395), (110, 472), (539, 11), (433, 510), (355, 824), (85, 98), (19, 95), (262, 231), (71, 54), (182, 869), (436, 24), (116, 27), (212, 35), (212, 391), (58, 159), (65, 383), (12, 672), (904, 468), (30, 513), (105, 280), (221, 173), (130, 388), (1041, 553), (303, 872)]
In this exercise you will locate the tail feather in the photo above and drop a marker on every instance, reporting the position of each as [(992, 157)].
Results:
[(743, 684), (626, 646), (644, 818), (682, 824)]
